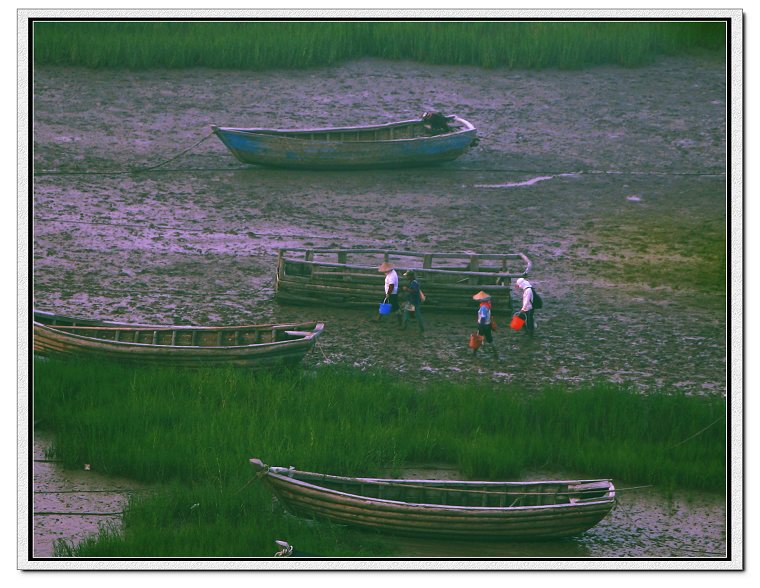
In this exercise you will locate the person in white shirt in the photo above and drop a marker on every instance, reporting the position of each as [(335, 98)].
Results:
[(527, 303), (391, 288)]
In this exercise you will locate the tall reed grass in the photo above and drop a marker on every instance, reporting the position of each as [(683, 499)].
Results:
[(258, 45), (192, 434)]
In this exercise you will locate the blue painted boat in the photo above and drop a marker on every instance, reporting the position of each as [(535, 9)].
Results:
[(431, 139)]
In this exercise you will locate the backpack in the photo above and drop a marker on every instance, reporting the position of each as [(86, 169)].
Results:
[(538, 302)]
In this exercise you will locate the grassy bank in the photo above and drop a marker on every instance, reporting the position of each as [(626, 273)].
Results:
[(193, 433), (282, 45)]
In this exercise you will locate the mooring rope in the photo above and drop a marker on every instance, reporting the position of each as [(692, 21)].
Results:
[(138, 170), (134, 170), (153, 227), (618, 490), (181, 153), (174, 293), (319, 346), (589, 172), (46, 513), (716, 421), (257, 476), (104, 491)]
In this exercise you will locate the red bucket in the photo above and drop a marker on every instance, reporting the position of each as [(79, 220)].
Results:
[(517, 322), (476, 341)]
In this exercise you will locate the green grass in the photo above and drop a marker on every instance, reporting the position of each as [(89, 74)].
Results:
[(203, 520), (684, 254), (191, 434), (262, 45)]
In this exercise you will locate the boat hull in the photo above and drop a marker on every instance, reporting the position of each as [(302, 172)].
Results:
[(300, 150), (176, 346), (304, 279), (421, 519)]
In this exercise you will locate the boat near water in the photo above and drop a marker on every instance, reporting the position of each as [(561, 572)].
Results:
[(431, 139), (350, 277), (444, 508), (173, 346)]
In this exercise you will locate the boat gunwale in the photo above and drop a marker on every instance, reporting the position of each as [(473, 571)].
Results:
[(316, 331), (489, 256), (133, 344), (281, 133), (91, 322), (442, 254), (287, 476)]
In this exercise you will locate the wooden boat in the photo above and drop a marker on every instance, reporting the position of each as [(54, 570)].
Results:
[(398, 144), (175, 346), (444, 508), (350, 277)]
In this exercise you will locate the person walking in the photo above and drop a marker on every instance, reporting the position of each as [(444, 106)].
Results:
[(485, 326), (391, 288), (527, 304), (413, 303)]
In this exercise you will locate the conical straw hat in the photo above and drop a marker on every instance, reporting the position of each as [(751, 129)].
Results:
[(481, 296), (385, 267)]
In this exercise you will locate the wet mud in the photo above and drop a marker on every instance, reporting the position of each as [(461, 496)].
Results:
[(71, 505), (562, 156), (644, 523), (569, 168)]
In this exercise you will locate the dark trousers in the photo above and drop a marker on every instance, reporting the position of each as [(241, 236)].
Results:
[(529, 322), (417, 312), (395, 308), (485, 331), (393, 300)]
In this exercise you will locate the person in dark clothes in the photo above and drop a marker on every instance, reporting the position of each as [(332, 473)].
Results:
[(413, 303)]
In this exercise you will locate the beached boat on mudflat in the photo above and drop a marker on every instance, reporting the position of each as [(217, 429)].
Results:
[(399, 144), (350, 277), (444, 508), (173, 346)]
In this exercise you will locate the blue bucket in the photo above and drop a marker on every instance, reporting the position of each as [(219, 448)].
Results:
[(385, 308)]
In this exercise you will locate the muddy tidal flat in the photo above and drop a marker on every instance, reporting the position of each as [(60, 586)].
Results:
[(583, 171)]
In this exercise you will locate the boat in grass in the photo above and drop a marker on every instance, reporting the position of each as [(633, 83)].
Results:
[(431, 139), (173, 346), (350, 277), (518, 511)]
